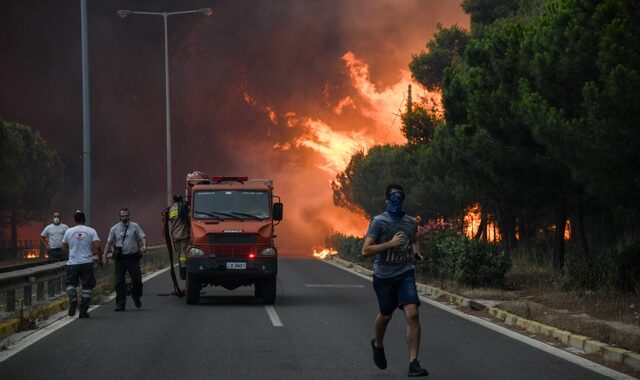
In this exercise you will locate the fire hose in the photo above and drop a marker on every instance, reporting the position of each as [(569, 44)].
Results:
[(177, 291)]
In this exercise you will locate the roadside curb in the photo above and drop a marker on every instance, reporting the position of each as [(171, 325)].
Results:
[(581, 342)]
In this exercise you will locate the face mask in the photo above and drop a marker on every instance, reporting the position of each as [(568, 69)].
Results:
[(56, 220), (394, 202), (124, 220)]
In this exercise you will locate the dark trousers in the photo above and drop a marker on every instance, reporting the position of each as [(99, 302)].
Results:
[(122, 265), (75, 274), (56, 254)]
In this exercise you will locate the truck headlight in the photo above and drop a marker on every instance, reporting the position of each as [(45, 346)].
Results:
[(193, 251), (268, 252)]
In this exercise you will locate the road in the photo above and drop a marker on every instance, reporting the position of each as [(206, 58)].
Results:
[(320, 328)]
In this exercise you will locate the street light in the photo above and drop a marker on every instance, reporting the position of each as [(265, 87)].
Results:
[(124, 13)]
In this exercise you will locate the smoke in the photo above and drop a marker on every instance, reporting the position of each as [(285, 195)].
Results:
[(270, 89)]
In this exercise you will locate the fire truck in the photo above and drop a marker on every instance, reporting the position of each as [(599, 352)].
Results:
[(232, 226)]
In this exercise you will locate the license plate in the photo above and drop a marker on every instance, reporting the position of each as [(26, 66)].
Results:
[(236, 265)]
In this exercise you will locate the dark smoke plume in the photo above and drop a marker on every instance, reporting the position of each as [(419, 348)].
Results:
[(243, 81)]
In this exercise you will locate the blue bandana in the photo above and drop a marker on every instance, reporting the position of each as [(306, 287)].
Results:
[(394, 204)]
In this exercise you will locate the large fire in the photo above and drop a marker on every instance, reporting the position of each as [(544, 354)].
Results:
[(367, 115)]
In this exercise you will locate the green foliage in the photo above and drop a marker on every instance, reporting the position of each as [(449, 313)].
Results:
[(34, 169), (469, 262), (348, 247), (419, 125), (616, 268), (362, 184), (447, 44), (486, 12)]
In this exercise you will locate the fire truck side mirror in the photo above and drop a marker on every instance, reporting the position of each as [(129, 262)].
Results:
[(277, 211)]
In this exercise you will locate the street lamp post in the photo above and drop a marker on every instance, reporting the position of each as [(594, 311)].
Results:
[(124, 13)]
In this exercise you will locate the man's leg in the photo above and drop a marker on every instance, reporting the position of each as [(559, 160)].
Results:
[(380, 327), (121, 285), (413, 330), (136, 281), (72, 292), (88, 283)]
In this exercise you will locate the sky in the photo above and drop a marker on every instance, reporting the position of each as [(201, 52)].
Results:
[(284, 89)]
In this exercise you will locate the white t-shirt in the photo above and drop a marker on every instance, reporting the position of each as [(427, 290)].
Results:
[(55, 234), (80, 239)]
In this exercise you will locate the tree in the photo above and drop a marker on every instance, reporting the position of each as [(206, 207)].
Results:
[(35, 171), (447, 44)]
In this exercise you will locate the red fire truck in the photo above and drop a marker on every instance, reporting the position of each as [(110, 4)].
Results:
[(232, 221)]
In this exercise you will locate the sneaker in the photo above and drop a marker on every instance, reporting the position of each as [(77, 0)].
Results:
[(119, 308), (137, 302), (378, 355), (73, 305), (83, 314), (415, 370)]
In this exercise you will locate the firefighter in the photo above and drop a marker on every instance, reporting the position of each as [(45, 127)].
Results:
[(80, 243), (129, 243), (179, 227)]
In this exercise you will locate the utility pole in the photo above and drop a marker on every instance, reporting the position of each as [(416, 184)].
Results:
[(86, 129), (409, 102)]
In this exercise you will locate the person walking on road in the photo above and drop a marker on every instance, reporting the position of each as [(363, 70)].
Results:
[(129, 243), (51, 238), (391, 238), (80, 243)]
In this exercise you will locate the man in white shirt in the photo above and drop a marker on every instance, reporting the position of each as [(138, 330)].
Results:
[(51, 238), (129, 243), (80, 243)]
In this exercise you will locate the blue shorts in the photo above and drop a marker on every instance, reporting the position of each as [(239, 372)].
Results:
[(396, 292)]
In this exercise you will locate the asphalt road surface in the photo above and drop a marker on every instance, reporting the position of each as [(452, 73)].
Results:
[(319, 328)]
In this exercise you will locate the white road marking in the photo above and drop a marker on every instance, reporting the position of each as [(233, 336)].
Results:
[(560, 353), (275, 320), (340, 286), (64, 320)]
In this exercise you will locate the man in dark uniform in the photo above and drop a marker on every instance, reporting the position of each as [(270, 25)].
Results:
[(392, 239)]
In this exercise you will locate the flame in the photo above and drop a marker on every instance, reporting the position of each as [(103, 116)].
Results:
[(327, 140), (335, 147), (324, 253), (472, 221), (32, 253)]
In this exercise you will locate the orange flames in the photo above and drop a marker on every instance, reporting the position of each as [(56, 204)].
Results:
[(32, 253), (472, 222), (324, 253), (324, 143)]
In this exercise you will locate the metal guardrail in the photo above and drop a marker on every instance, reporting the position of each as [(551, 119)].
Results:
[(25, 287)]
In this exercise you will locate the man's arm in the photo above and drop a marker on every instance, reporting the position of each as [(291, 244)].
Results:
[(415, 248), (97, 250), (45, 241), (65, 248), (370, 248), (143, 244)]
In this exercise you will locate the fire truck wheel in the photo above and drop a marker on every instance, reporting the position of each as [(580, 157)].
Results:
[(257, 289), (193, 290), (269, 291)]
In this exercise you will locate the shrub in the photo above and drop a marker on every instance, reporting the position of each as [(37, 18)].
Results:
[(616, 268), (348, 247)]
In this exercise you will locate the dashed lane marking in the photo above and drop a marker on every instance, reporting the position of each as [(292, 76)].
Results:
[(339, 286), (273, 316)]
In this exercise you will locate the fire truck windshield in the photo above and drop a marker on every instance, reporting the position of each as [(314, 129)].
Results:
[(231, 204)]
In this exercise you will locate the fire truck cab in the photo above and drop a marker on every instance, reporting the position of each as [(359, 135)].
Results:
[(232, 221)]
